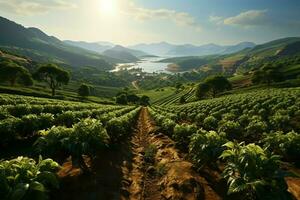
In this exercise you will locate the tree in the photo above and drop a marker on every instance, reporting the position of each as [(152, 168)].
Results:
[(267, 74), (84, 90), (145, 100), (214, 85), (202, 90), (182, 100), (12, 72), (218, 84), (133, 98), (53, 75), (178, 85), (121, 99)]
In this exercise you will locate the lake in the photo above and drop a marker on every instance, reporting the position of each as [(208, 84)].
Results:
[(148, 65)]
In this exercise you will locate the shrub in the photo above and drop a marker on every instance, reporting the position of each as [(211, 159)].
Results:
[(253, 171), (232, 129), (182, 134), (205, 148), (210, 123), (24, 178), (287, 145)]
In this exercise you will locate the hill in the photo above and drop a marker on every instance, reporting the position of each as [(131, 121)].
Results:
[(92, 46), (241, 61), (164, 48), (208, 49), (122, 53), (35, 44)]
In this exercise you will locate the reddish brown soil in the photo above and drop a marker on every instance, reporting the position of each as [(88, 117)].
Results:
[(170, 176)]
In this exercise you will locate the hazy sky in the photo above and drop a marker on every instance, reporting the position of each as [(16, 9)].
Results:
[(145, 21)]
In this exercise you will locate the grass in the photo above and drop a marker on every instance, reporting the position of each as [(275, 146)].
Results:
[(42, 91), (156, 95)]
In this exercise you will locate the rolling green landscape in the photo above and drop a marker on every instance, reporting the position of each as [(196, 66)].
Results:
[(108, 119)]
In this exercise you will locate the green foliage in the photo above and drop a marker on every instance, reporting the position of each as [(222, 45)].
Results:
[(145, 100), (50, 141), (86, 137), (267, 74), (150, 152), (253, 171), (53, 75), (206, 147), (121, 99), (24, 178), (287, 145), (12, 72), (202, 90), (120, 127), (182, 134), (84, 90), (231, 128), (210, 123)]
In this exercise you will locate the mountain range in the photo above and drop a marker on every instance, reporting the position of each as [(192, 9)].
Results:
[(164, 48), (38, 46)]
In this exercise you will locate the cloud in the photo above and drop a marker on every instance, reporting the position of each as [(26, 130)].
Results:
[(249, 18), (216, 19), (31, 7), (143, 14)]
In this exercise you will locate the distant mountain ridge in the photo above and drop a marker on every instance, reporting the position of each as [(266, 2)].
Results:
[(92, 46), (241, 61), (164, 48), (121, 53), (38, 46), (115, 51)]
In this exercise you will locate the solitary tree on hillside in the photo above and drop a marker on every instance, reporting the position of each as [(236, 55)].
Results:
[(202, 90), (121, 99), (267, 74), (213, 85), (218, 84), (12, 72), (84, 90), (133, 98), (145, 100), (53, 75)]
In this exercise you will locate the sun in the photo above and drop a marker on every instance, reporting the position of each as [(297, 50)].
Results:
[(108, 7)]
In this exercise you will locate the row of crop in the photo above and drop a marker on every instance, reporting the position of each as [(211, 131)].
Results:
[(12, 127), (25, 178), (25, 109), (8, 99), (250, 169), (242, 116)]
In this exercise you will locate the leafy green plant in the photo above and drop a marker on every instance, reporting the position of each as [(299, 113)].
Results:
[(210, 123), (287, 145), (24, 178), (206, 147), (182, 134), (150, 152), (253, 171)]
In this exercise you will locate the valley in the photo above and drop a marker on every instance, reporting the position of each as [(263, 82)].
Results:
[(149, 100)]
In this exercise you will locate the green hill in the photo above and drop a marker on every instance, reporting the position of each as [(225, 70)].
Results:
[(241, 61), (35, 44)]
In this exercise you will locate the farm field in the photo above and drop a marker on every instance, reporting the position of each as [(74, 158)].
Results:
[(133, 152), (149, 100)]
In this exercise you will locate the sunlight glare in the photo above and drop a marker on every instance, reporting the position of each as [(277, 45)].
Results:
[(108, 7)]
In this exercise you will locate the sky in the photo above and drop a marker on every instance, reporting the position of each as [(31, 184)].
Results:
[(129, 22)]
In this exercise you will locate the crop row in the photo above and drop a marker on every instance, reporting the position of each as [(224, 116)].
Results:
[(13, 127), (25, 178), (249, 169)]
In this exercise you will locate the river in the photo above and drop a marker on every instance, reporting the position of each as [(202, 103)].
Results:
[(148, 64)]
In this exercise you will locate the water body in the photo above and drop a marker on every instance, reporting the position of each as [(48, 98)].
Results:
[(148, 65)]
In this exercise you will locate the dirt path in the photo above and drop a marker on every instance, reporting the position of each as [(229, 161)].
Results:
[(158, 170), (135, 85)]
